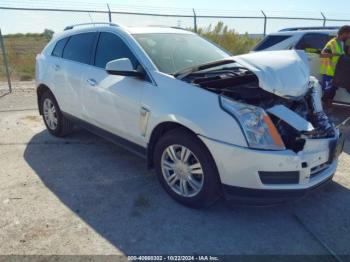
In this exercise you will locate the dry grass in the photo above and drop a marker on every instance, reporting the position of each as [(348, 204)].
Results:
[(21, 52)]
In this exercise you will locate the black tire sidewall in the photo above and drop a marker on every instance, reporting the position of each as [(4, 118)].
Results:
[(211, 190)]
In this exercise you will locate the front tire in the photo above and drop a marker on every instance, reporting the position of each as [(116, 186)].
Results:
[(186, 169), (54, 120)]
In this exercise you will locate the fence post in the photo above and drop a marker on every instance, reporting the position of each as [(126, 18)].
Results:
[(265, 21), (4, 56), (109, 14), (195, 20), (324, 19)]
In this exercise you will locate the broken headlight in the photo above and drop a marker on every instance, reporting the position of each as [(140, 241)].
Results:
[(257, 126)]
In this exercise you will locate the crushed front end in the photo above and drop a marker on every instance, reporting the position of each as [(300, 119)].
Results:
[(300, 151)]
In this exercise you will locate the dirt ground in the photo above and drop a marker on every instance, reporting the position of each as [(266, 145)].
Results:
[(82, 195)]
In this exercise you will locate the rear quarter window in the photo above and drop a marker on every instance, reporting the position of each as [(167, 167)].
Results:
[(58, 50), (271, 40), (80, 47)]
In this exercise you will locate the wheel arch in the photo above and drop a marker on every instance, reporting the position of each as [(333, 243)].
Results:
[(160, 130), (157, 133), (40, 90)]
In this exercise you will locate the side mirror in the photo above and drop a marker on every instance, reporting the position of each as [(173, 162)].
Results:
[(123, 67)]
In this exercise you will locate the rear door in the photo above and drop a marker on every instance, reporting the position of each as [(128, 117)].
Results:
[(56, 72), (77, 57)]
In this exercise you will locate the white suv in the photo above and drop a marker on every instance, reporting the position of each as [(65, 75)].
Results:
[(250, 126), (309, 39)]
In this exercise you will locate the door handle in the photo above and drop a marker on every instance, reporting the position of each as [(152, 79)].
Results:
[(92, 82), (57, 67)]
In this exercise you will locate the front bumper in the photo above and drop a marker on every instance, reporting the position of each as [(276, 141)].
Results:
[(267, 196), (240, 169)]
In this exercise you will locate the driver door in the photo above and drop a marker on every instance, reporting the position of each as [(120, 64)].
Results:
[(113, 102)]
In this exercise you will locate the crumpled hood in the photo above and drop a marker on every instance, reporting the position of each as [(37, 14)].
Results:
[(283, 73)]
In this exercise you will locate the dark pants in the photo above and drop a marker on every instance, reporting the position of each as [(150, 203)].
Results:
[(328, 87)]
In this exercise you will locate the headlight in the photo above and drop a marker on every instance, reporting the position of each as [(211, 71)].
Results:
[(257, 126)]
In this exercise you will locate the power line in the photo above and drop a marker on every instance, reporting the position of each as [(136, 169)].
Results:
[(98, 6)]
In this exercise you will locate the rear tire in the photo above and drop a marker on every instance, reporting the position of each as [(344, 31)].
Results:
[(186, 169), (54, 120)]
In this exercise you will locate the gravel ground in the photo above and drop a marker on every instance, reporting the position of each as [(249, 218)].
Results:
[(84, 196)]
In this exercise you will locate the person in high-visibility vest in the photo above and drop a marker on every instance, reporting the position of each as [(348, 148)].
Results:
[(329, 59)]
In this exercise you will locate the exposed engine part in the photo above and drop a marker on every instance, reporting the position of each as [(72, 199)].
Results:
[(323, 126), (315, 95), (242, 85)]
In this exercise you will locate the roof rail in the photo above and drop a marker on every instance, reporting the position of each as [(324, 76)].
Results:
[(94, 23), (310, 28), (165, 26), (173, 27), (179, 28)]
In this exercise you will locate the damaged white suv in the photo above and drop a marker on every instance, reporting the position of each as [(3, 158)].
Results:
[(249, 126)]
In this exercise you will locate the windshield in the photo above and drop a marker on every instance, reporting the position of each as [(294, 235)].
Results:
[(172, 53)]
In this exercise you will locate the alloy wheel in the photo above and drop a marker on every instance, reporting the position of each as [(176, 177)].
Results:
[(182, 171), (50, 114)]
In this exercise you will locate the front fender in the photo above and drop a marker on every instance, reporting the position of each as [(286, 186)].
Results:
[(190, 106)]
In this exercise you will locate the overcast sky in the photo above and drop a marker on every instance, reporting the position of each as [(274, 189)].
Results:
[(35, 21)]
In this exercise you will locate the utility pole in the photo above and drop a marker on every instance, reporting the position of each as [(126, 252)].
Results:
[(265, 22), (109, 14), (195, 20), (4, 56), (324, 19)]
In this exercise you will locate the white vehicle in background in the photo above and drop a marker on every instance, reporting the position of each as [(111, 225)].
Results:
[(251, 126), (310, 39)]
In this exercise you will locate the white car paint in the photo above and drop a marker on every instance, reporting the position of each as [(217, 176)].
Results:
[(132, 108), (291, 117), (244, 172), (275, 68), (313, 59)]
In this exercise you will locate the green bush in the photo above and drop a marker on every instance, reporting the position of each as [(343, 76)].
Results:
[(21, 50), (228, 38)]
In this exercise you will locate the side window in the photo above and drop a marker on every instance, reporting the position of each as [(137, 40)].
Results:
[(58, 50), (111, 47), (313, 42), (79, 47), (271, 40)]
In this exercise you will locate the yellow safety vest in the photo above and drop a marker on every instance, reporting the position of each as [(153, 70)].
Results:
[(328, 65)]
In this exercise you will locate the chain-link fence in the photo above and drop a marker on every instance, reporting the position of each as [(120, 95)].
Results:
[(22, 45)]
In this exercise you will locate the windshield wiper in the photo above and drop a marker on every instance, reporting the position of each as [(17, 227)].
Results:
[(183, 73)]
